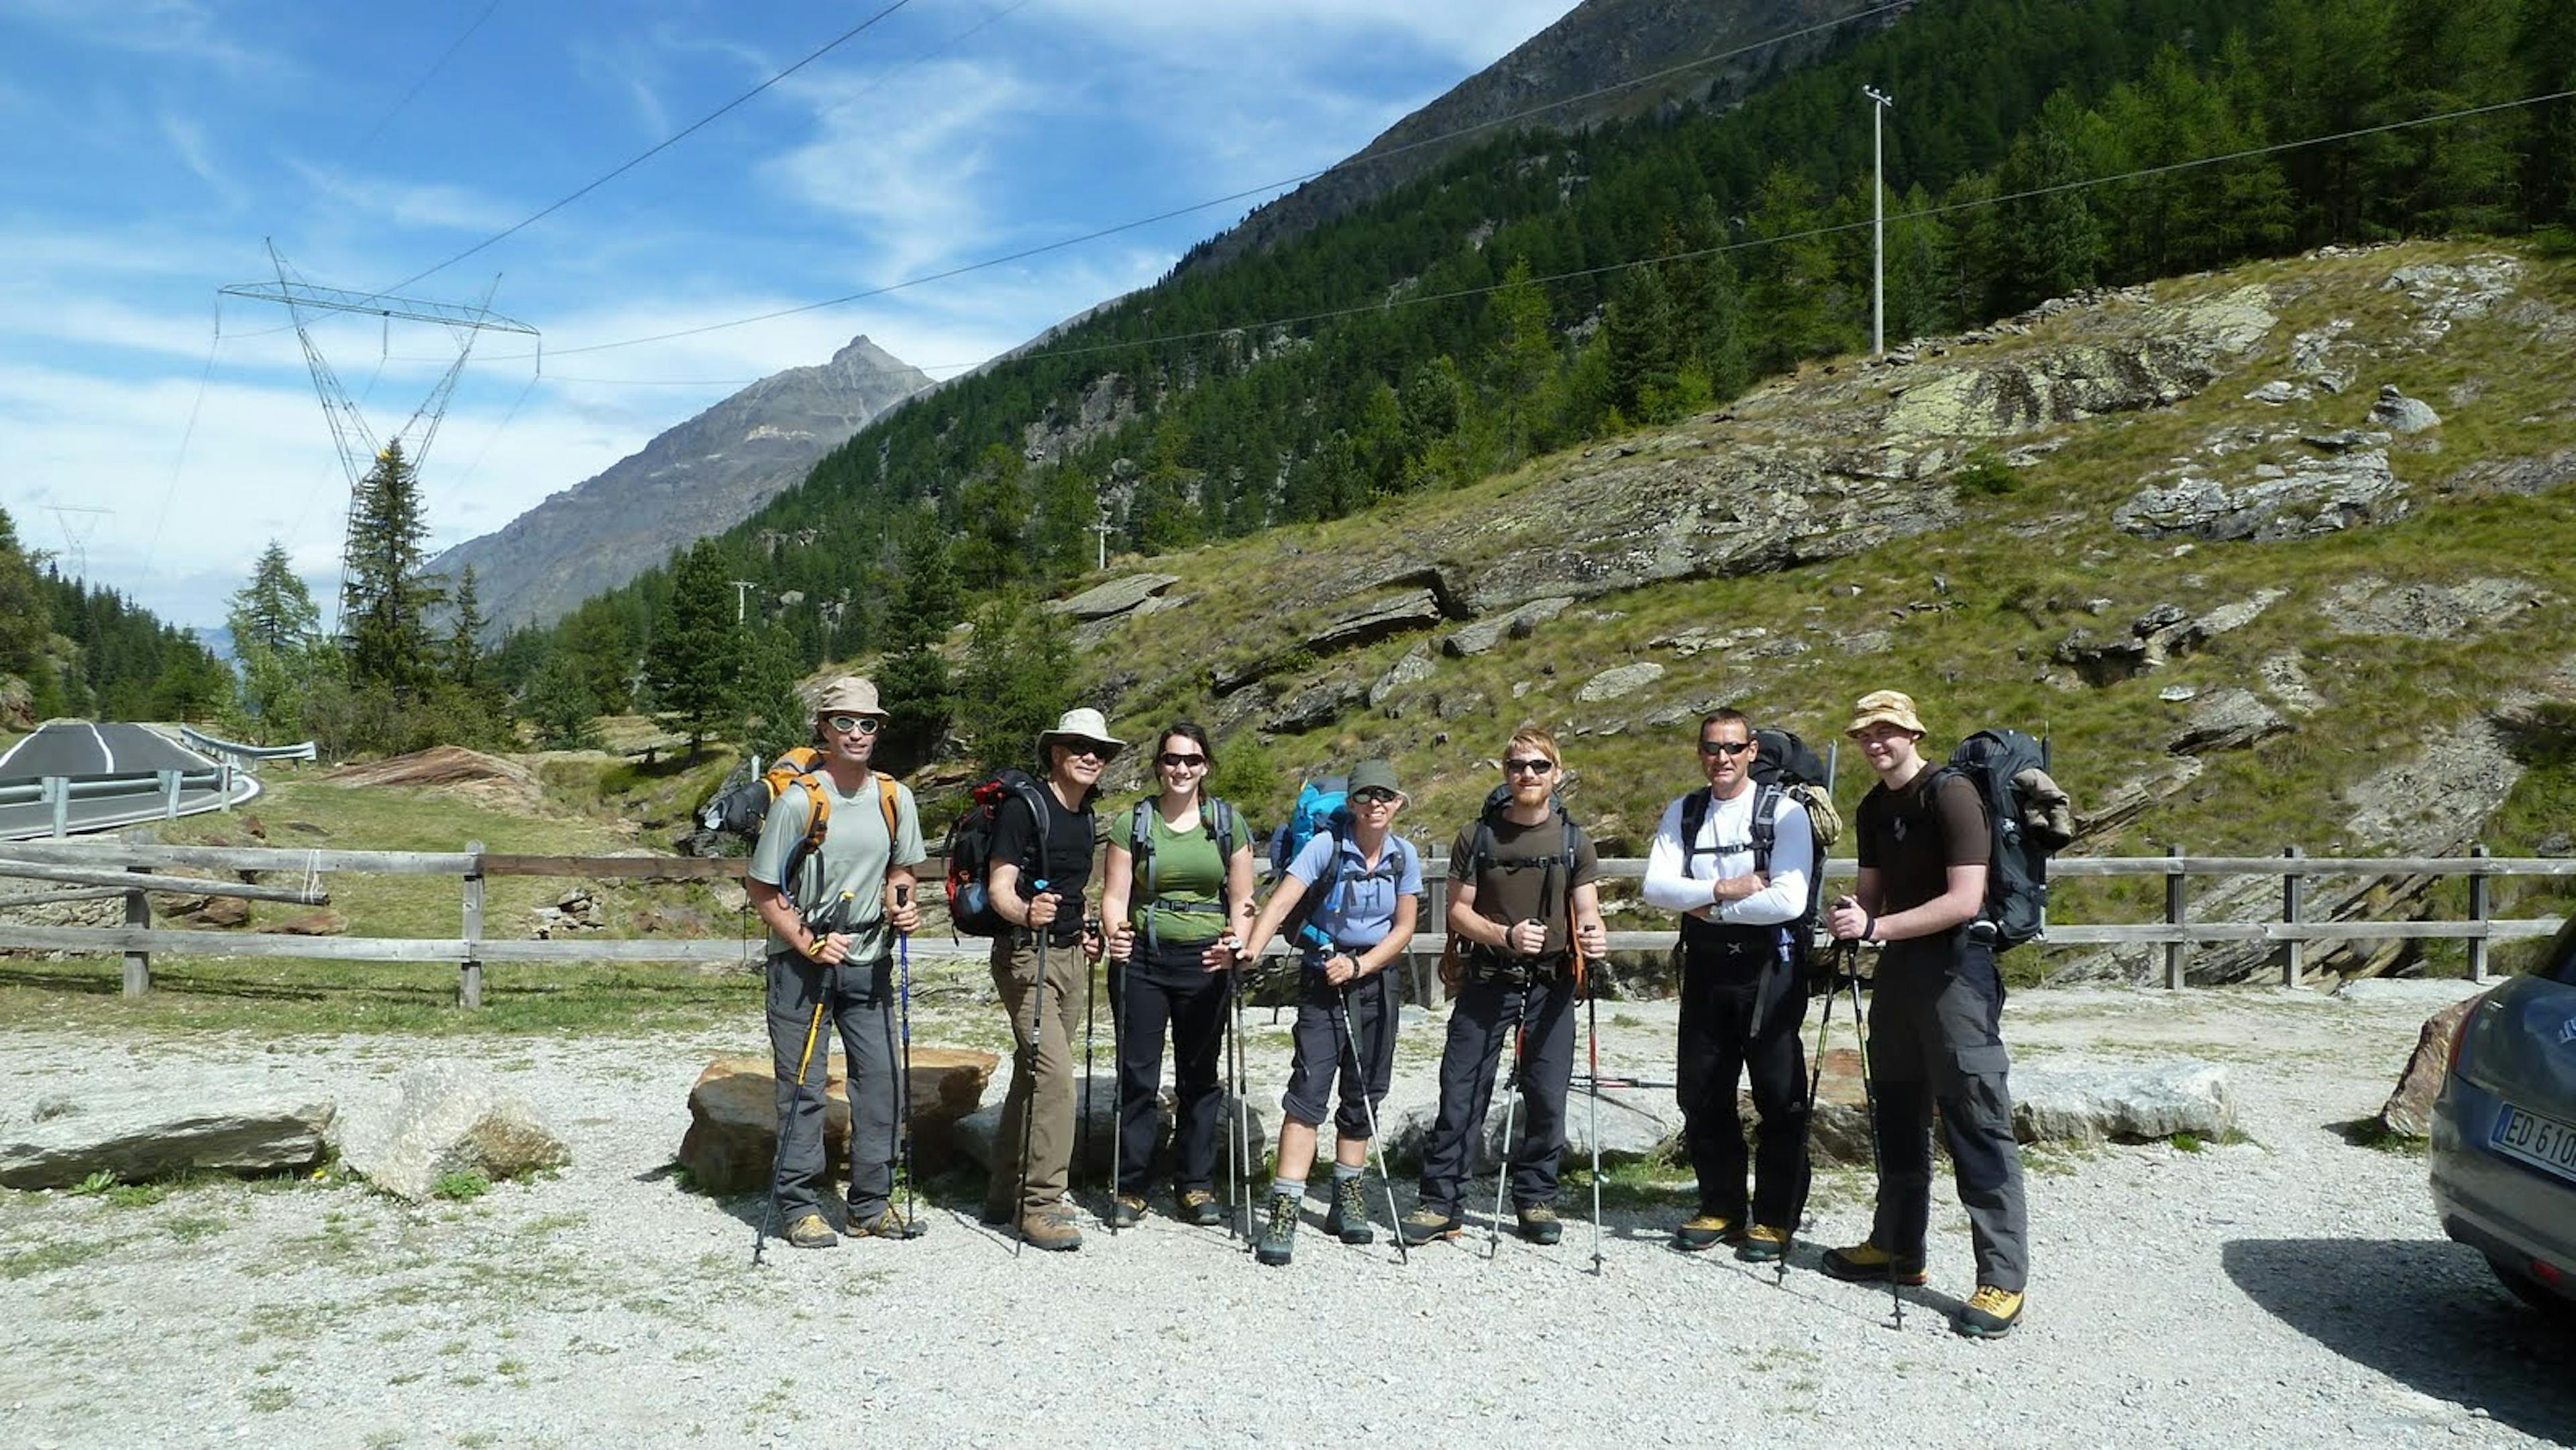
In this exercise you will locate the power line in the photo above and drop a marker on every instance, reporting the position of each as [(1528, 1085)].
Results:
[(1264, 188), (656, 149), (435, 66)]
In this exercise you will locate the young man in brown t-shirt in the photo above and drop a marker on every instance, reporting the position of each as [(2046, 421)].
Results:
[(1521, 899), (1934, 1020)]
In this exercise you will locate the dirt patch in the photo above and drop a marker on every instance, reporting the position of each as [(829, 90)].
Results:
[(486, 780)]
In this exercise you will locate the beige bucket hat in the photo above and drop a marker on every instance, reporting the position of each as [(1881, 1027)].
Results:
[(848, 695), (1080, 724), (1885, 707)]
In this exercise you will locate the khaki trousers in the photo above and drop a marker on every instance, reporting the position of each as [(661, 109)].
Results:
[(1040, 1101)]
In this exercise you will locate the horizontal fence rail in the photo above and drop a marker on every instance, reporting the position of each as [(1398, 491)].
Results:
[(127, 868)]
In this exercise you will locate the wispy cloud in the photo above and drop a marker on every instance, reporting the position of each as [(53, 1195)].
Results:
[(188, 142), (152, 27), (1472, 32), (432, 204)]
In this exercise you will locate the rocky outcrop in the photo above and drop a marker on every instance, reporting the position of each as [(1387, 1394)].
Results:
[(732, 1140), (2428, 611), (136, 1133), (2399, 413), (1619, 681), (452, 769), (1412, 668), (2230, 719), (2342, 490), (2408, 1113), (1114, 598), (1419, 609), (444, 1118), (1520, 623)]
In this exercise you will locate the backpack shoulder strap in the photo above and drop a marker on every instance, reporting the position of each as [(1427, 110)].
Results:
[(1694, 821), (886, 801), (1766, 825)]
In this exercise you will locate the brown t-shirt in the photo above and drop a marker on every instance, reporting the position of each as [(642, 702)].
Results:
[(1517, 873), (1913, 839)]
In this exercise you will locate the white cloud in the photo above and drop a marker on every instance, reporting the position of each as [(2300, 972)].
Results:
[(150, 27), (1475, 33), (188, 141), (410, 203)]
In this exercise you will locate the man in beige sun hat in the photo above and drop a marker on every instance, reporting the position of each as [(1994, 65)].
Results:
[(1934, 1020)]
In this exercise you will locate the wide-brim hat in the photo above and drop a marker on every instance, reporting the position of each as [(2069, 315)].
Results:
[(848, 695), (1885, 707), (1080, 724)]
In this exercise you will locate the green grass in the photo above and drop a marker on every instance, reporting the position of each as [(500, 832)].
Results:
[(462, 1187), (49, 1258)]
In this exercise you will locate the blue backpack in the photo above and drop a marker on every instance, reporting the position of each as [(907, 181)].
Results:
[(1323, 808)]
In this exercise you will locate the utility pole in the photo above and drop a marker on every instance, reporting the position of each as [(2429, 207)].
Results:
[(1879, 102), (741, 591), (1102, 528), (79, 521)]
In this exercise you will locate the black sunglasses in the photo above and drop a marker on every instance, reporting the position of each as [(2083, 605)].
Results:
[(844, 724), (1092, 748), (1173, 759), (1373, 796), (1724, 747), (1536, 765)]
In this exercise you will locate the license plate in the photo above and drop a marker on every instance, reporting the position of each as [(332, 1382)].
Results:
[(2543, 1142)]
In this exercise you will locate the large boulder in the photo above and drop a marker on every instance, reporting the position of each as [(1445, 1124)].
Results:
[(444, 1118), (2086, 1103), (732, 1139), (138, 1133), (1113, 598), (2409, 1110)]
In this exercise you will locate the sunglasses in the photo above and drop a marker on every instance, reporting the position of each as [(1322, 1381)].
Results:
[(1092, 748), (844, 724), (1374, 797), (1724, 747), (1174, 760), (1537, 765)]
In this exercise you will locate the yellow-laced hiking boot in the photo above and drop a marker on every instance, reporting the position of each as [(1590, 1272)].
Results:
[(812, 1231), (889, 1224), (1867, 1263), (1199, 1208), (1763, 1244), (1990, 1313), (1125, 1211), (1705, 1231)]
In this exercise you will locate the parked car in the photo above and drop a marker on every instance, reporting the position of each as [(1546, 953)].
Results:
[(2504, 1131)]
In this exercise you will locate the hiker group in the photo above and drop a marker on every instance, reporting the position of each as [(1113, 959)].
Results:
[(1951, 871)]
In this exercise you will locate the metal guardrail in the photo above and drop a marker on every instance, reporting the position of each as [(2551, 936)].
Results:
[(215, 745), (59, 791), (474, 867)]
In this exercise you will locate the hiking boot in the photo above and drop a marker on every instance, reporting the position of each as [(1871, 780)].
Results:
[(1990, 1313), (1705, 1231), (1349, 1215), (1199, 1208), (1867, 1263), (1050, 1229), (1763, 1244), (812, 1232), (889, 1224), (1539, 1223), (1427, 1223), (1278, 1231), (1125, 1211)]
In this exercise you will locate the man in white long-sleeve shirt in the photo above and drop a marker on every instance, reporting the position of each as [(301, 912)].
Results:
[(1737, 861)]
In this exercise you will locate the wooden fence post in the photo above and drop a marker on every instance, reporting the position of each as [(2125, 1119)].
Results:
[(469, 986), (2176, 953), (2478, 913), (2294, 951)]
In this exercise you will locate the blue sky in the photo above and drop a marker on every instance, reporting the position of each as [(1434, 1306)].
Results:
[(148, 150)]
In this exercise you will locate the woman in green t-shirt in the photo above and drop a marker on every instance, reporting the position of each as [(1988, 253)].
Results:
[(1177, 897)]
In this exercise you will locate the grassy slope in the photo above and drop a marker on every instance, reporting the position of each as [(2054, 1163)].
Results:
[(2018, 578)]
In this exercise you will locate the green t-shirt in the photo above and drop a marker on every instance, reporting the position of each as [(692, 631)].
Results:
[(1181, 906), (855, 856)]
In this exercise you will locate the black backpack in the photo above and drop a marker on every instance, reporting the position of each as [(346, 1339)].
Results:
[(1223, 824), (1785, 767), (1481, 853), (970, 850), (2016, 908)]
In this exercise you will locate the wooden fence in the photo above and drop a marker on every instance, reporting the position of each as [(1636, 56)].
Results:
[(98, 870)]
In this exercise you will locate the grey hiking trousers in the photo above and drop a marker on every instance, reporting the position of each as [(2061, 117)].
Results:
[(1934, 1039), (858, 1004)]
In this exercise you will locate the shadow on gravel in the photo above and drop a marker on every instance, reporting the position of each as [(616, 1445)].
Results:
[(2423, 1312)]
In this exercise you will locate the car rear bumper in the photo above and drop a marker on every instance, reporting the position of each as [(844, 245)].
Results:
[(2510, 1211)]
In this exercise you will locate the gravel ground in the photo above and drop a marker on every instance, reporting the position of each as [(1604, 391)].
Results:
[(2289, 1290)]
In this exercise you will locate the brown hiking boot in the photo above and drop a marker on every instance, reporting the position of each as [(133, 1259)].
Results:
[(1050, 1229), (812, 1231), (889, 1224)]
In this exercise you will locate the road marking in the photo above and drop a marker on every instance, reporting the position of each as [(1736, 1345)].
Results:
[(103, 750), (21, 744)]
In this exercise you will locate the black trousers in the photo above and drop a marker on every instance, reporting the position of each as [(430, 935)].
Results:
[(1323, 1053), (1169, 994), (1720, 1041), (1478, 1050)]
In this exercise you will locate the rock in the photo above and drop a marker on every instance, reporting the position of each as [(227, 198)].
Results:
[(2316, 497), (1314, 707), (2176, 694), (2278, 393), (2085, 1103), (1419, 609), (2399, 413), (314, 923), (2374, 606), (224, 911), (452, 769), (2434, 990), (2236, 616), (2288, 682), (442, 1118), (1414, 667), (1619, 681), (1458, 705), (138, 1133), (1865, 642), (732, 1138), (2101, 661), (2227, 720), (2534, 474), (1113, 598), (2408, 1112), (1484, 634)]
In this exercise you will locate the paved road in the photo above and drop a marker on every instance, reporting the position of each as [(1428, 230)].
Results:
[(83, 751)]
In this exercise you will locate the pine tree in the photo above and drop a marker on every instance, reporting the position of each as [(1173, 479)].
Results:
[(464, 649), (1523, 359), (1018, 679), (385, 599), (693, 661), (559, 703), (277, 638), (774, 716), (26, 617)]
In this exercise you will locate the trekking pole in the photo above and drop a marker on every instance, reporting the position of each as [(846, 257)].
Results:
[(1511, 1106), (1082, 1123), (1592, 1041), (1869, 1107), (1029, 1101), (1368, 1113), (1233, 1135), (903, 954), (1118, 990)]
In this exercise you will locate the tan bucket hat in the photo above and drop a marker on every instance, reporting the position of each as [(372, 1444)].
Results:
[(848, 695), (1885, 707), (1080, 724)]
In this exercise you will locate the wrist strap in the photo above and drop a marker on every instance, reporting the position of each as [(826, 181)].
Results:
[(1869, 927)]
